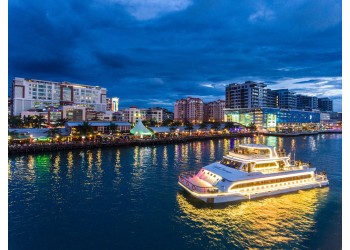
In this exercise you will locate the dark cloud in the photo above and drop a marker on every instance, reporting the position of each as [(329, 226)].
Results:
[(164, 50)]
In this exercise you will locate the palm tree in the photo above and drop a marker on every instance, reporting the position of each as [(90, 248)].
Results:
[(15, 121), (53, 132), (61, 122), (167, 122), (176, 123), (38, 120), (188, 126), (85, 128), (27, 121), (112, 127), (172, 129), (153, 122), (251, 127)]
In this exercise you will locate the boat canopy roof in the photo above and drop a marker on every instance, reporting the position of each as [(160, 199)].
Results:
[(246, 151), (256, 146), (227, 173), (234, 175)]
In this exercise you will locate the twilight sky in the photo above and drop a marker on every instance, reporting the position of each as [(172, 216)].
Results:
[(153, 52)]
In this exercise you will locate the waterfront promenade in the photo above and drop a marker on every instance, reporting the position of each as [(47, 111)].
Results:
[(47, 147), (292, 134), (58, 146)]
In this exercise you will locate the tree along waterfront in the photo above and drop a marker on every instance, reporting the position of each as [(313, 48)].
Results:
[(55, 146)]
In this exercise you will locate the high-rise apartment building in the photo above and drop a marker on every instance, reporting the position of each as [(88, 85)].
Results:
[(214, 111), (108, 104), (167, 115), (325, 104), (189, 109), (154, 114), (180, 110), (271, 99), (307, 102), (30, 93), (133, 113), (285, 99), (246, 95)]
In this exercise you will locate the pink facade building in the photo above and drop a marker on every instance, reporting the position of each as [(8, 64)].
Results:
[(214, 111), (189, 109)]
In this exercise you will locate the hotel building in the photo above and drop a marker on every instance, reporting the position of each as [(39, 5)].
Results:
[(189, 109), (214, 111), (246, 95), (40, 94)]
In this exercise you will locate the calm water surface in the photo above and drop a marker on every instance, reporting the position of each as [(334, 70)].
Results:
[(128, 198)]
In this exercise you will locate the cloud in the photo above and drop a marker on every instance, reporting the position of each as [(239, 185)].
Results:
[(166, 50), (149, 9), (261, 14), (319, 86), (207, 85)]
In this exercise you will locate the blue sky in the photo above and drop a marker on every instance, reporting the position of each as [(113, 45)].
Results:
[(152, 52)]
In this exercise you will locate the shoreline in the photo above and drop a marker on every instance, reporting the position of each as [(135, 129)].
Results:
[(40, 148), (301, 133)]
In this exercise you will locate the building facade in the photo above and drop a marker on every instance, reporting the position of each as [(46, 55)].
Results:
[(115, 104), (272, 119), (246, 95), (180, 110), (132, 114), (31, 93), (306, 102), (285, 99), (271, 99), (167, 114), (214, 111), (325, 104), (155, 114), (108, 104), (74, 113), (189, 109)]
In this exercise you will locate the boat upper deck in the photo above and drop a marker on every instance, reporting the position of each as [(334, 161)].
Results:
[(232, 174), (256, 151)]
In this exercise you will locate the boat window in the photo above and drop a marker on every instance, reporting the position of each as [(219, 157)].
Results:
[(265, 165), (272, 181), (231, 164)]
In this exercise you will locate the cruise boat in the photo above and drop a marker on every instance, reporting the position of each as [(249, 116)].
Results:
[(251, 171)]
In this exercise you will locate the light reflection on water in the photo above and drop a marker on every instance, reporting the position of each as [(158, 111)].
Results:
[(263, 223), (132, 193)]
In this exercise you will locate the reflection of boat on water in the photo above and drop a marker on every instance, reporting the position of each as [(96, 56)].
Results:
[(251, 171), (281, 222)]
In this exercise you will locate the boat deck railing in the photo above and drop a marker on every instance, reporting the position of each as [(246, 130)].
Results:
[(284, 169), (184, 178), (248, 156)]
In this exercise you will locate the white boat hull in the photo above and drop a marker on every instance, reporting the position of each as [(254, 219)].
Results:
[(231, 197)]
